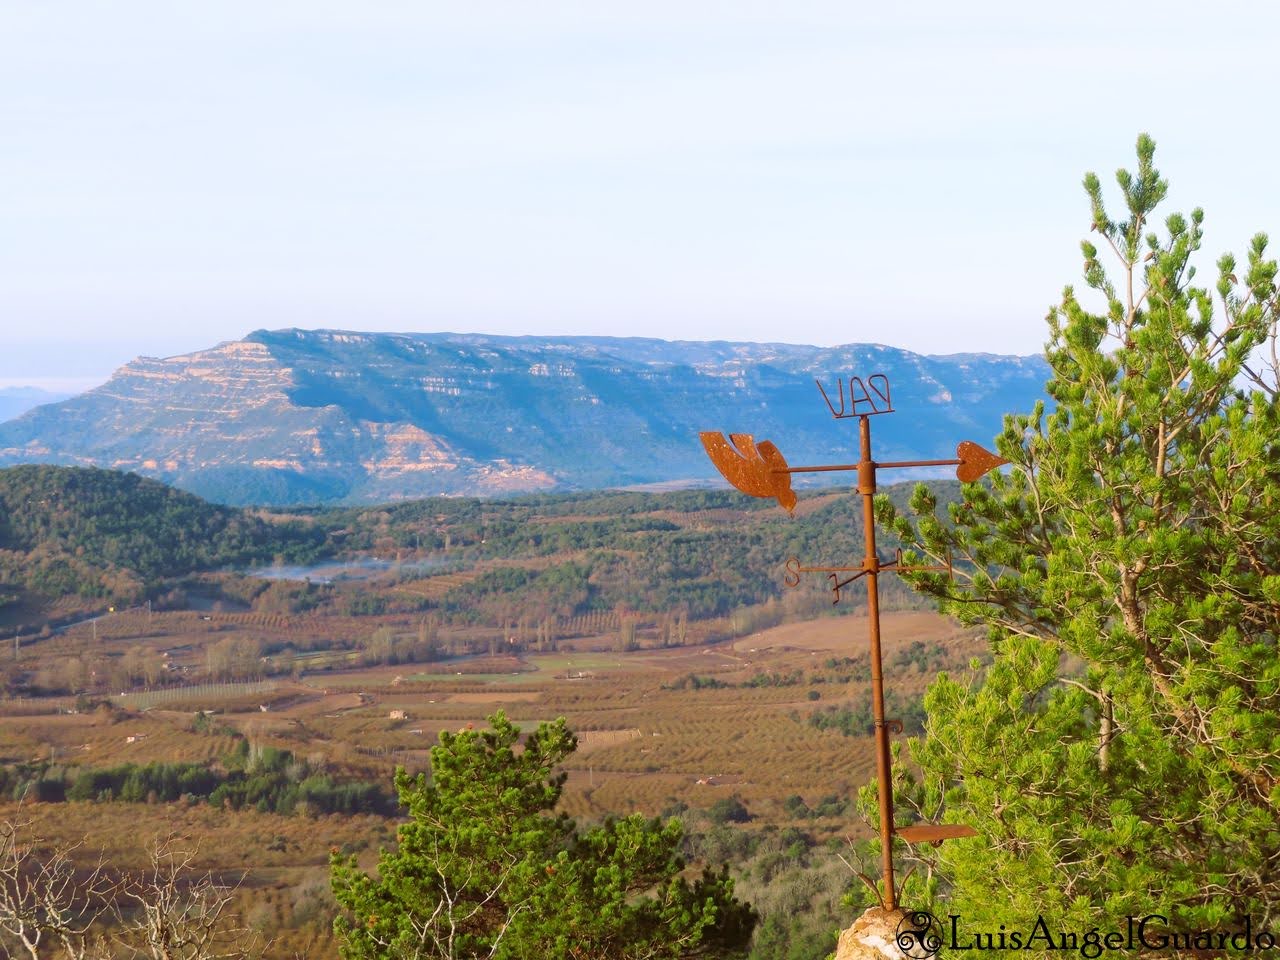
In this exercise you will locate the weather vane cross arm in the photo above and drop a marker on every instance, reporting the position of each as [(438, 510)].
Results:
[(760, 470)]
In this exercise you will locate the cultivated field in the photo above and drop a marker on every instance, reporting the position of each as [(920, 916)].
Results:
[(661, 730)]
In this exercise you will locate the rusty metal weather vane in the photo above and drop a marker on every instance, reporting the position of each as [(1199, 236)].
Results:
[(759, 469)]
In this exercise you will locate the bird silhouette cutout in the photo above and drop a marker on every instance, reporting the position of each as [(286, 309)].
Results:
[(757, 469)]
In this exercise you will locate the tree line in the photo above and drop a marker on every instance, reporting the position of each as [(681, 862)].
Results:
[(269, 781)]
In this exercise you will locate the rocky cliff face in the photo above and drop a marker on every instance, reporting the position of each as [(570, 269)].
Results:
[(298, 416)]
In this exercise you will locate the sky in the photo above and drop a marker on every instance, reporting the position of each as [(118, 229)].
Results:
[(174, 174)]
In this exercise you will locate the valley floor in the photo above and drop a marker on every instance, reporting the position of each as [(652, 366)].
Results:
[(774, 720)]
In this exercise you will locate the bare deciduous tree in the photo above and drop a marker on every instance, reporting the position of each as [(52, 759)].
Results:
[(171, 912), (47, 903), (53, 909)]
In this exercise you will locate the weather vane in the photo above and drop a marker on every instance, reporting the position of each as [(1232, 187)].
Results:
[(760, 470)]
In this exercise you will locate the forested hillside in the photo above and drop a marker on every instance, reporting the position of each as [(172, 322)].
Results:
[(702, 552), (77, 539), (102, 533)]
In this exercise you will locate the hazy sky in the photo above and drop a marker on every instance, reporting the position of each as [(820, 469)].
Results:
[(173, 174)]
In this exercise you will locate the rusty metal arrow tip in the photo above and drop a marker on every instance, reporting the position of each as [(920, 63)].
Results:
[(975, 461)]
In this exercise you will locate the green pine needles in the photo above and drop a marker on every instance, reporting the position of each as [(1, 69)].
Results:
[(1120, 754), (484, 869)]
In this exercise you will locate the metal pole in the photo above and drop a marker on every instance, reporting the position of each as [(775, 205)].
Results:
[(871, 563), (760, 470)]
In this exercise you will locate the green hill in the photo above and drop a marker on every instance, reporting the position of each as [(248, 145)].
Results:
[(97, 533)]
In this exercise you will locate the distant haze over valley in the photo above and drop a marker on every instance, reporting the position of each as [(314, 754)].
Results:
[(18, 400), (312, 416)]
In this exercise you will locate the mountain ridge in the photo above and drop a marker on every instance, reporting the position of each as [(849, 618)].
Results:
[(297, 416)]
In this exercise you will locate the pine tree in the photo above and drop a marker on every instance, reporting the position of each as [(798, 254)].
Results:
[(484, 869), (1120, 752)]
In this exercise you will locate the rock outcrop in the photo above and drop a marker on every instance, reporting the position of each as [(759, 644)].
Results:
[(872, 937)]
